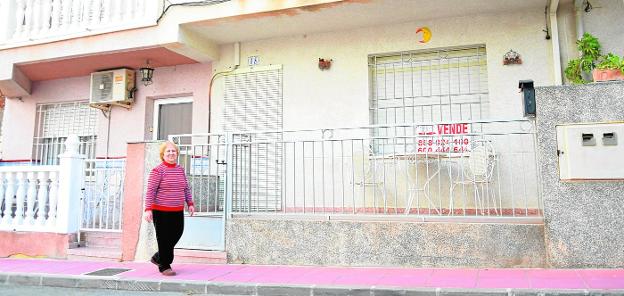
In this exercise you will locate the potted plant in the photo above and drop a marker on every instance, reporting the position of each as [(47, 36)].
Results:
[(579, 70), (611, 67)]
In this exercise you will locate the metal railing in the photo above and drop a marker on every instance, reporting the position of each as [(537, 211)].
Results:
[(102, 206), (204, 163), (451, 169), (46, 150)]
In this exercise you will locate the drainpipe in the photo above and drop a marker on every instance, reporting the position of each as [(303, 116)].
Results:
[(554, 35), (234, 67), (578, 12)]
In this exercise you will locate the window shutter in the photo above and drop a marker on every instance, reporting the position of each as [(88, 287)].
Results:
[(253, 102)]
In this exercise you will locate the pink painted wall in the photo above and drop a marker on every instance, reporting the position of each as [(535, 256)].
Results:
[(132, 200), (52, 245), (18, 126), (125, 125)]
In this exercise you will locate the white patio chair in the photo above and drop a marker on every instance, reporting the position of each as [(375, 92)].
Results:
[(477, 170)]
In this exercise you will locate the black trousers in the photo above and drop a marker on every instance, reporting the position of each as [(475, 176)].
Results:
[(169, 227)]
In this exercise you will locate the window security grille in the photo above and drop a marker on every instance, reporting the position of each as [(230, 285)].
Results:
[(430, 86), (55, 122), (253, 102), (426, 86)]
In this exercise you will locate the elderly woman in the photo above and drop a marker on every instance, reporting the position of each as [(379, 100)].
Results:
[(167, 191)]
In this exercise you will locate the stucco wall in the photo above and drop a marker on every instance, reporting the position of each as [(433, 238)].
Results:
[(53, 245), (18, 126), (605, 22), (297, 242), (125, 125), (583, 220), (340, 95), (133, 199)]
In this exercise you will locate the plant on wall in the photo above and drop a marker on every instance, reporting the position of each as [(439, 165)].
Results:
[(610, 67), (573, 71), (602, 67), (589, 46), (611, 62)]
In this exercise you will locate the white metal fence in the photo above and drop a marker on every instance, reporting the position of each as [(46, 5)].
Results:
[(204, 162), (476, 169), (102, 194)]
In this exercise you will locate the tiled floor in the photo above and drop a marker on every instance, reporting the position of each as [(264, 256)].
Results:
[(340, 276)]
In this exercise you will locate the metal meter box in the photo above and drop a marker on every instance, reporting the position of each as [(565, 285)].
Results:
[(591, 151)]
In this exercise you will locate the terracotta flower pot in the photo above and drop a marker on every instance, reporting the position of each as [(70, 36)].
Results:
[(607, 75)]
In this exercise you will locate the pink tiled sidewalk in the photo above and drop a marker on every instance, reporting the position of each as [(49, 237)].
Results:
[(407, 278)]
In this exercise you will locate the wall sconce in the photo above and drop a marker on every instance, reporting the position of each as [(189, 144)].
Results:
[(146, 74)]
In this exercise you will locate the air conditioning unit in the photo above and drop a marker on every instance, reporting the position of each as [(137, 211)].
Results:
[(112, 87)]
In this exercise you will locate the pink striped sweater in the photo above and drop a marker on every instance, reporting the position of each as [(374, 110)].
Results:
[(167, 189)]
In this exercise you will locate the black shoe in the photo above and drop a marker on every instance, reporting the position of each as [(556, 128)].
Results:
[(154, 262)]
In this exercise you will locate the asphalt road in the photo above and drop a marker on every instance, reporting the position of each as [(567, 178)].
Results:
[(12, 290)]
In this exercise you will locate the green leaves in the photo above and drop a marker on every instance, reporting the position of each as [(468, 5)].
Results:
[(589, 46), (611, 62), (573, 72)]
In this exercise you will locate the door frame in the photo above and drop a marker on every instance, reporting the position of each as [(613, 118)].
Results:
[(156, 114)]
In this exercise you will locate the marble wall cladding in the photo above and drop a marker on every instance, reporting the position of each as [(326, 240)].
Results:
[(147, 245), (359, 243), (584, 220)]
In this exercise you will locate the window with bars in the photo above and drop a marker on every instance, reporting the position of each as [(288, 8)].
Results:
[(55, 122), (428, 86)]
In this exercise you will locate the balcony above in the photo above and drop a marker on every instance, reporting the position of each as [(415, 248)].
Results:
[(28, 22), (52, 39)]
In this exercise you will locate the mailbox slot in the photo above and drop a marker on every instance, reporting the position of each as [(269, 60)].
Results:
[(589, 140), (609, 139)]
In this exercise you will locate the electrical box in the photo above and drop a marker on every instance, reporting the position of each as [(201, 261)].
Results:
[(591, 151)]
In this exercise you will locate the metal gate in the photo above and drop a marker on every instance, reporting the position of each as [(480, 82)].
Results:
[(102, 194), (203, 158)]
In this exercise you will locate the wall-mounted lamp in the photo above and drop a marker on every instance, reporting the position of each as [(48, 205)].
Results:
[(146, 74)]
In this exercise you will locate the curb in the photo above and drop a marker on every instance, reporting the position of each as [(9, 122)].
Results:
[(199, 287)]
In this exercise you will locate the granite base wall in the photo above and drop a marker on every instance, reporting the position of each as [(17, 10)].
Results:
[(363, 243), (584, 220)]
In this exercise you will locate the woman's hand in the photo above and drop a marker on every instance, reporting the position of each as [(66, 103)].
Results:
[(191, 210), (148, 216)]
